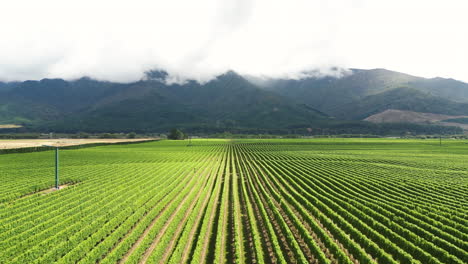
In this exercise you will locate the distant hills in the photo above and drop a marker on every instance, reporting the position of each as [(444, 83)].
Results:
[(409, 99), (372, 91), (227, 102), (231, 102)]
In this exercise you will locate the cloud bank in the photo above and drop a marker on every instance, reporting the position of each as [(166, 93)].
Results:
[(119, 40)]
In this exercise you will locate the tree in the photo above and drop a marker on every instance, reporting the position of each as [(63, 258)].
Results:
[(176, 134), (131, 135), (83, 135), (108, 135)]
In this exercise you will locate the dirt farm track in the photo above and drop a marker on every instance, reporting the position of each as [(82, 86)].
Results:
[(25, 143)]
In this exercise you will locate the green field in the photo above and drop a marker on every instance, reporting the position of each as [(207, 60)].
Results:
[(239, 201)]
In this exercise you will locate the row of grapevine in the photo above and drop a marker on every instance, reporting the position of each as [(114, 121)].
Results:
[(238, 201)]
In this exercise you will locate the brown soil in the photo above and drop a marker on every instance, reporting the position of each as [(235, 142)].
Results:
[(180, 227), (53, 189), (25, 143), (134, 227), (398, 116), (166, 226), (393, 115), (266, 243), (145, 233), (47, 191), (320, 243), (224, 219), (190, 240), (309, 228), (247, 232), (305, 249), (284, 242), (210, 226), (10, 126)]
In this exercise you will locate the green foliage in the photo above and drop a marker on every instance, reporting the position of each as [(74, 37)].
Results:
[(312, 200), (20, 136), (457, 120), (83, 135), (108, 135), (176, 134), (131, 135)]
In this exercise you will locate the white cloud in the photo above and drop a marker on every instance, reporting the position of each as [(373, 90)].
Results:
[(119, 40)]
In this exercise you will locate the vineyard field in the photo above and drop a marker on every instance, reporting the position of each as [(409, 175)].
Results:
[(326, 200)]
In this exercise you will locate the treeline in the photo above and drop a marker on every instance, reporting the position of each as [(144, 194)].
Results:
[(395, 129), (347, 129), (322, 128), (20, 136), (458, 120)]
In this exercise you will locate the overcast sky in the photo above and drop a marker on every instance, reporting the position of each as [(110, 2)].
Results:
[(118, 40)]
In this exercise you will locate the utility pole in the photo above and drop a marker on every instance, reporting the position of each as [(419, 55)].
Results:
[(56, 165), (57, 168)]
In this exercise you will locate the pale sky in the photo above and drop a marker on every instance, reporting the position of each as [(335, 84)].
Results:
[(118, 40)]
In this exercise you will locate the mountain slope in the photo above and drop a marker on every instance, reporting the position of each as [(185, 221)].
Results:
[(401, 99), (402, 116), (32, 102), (228, 101), (329, 93), (446, 88)]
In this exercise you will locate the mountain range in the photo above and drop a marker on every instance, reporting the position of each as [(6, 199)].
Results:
[(232, 102)]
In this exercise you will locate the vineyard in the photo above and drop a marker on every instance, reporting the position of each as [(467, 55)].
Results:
[(239, 201)]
